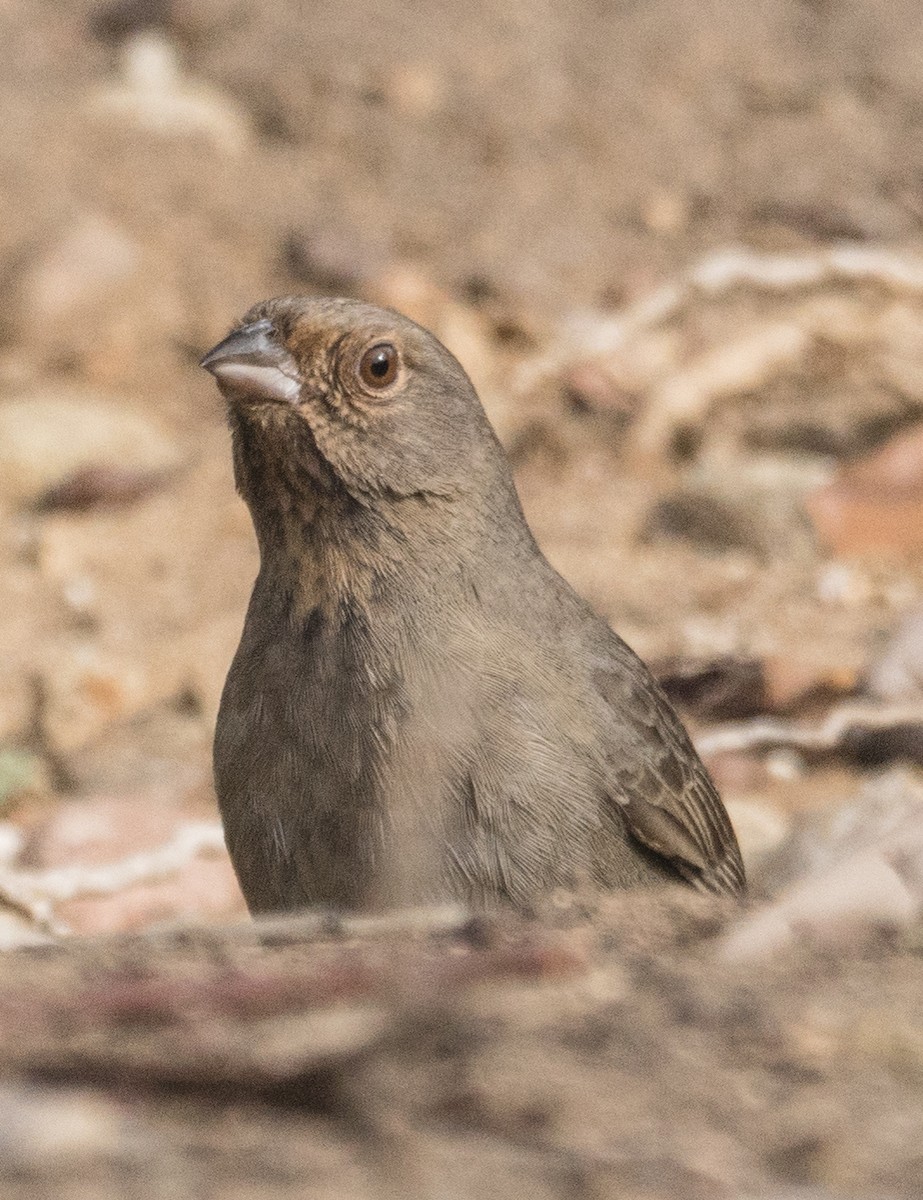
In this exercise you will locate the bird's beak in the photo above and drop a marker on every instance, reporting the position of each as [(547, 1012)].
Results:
[(250, 364)]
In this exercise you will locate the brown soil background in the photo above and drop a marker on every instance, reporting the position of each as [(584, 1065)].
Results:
[(520, 178)]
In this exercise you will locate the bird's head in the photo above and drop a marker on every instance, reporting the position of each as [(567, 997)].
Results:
[(340, 395)]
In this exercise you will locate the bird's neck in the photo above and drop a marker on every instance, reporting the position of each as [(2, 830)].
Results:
[(321, 562), (324, 551), (388, 565)]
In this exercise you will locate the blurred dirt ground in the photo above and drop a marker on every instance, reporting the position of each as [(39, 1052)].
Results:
[(678, 249)]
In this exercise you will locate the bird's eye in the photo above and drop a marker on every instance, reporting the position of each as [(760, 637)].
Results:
[(379, 365)]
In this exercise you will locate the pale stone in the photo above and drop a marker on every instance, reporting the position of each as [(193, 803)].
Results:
[(835, 908), (897, 673), (861, 875), (152, 95), (17, 930), (90, 259), (760, 828), (47, 435), (42, 1127)]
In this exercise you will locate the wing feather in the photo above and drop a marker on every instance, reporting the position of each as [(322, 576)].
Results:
[(670, 804)]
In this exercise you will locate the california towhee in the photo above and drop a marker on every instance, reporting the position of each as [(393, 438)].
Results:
[(420, 706)]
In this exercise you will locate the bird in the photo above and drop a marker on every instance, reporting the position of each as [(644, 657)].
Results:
[(421, 708)]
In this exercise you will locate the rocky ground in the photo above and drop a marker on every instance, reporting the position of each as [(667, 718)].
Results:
[(678, 249)]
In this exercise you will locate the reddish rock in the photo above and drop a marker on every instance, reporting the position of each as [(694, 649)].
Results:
[(594, 387), (204, 889), (793, 683), (98, 832), (738, 772), (875, 505)]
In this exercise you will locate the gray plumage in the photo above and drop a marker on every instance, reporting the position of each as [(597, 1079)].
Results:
[(420, 705)]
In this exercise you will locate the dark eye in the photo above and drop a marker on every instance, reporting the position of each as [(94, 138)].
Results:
[(378, 366)]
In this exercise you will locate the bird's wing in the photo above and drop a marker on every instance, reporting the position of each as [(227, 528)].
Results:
[(669, 803)]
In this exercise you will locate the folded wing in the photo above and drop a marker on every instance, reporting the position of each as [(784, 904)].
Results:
[(670, 804)]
